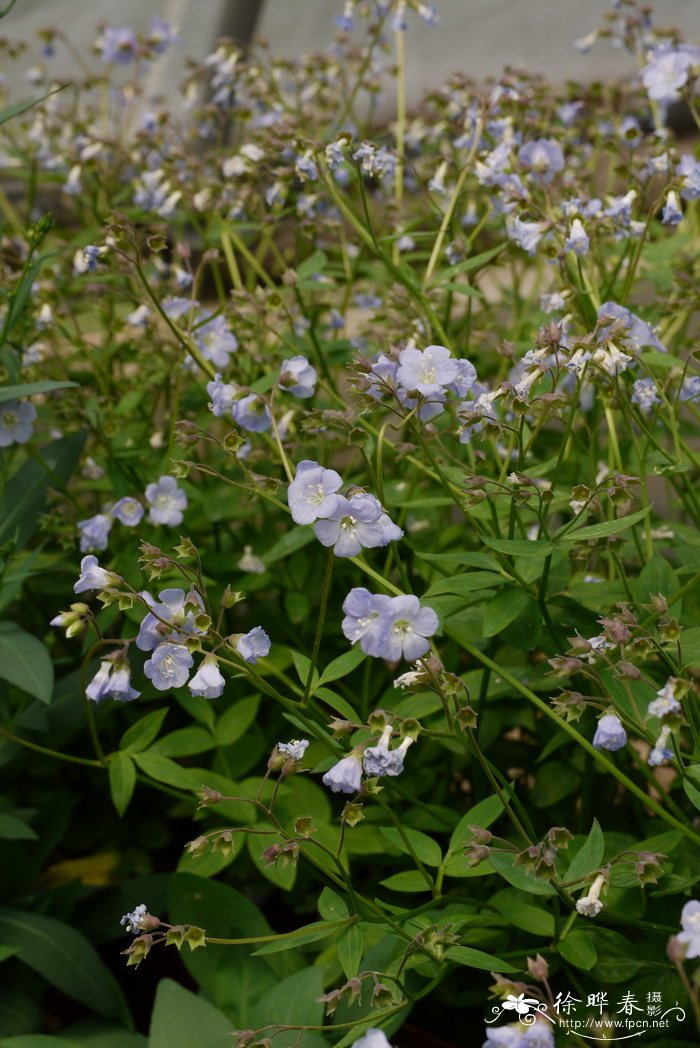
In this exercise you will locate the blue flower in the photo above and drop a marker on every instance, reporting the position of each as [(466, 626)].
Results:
[(216, 341), (543, 157), (636, 332), (427, 372), (665, 701), (297, 376), (672, 213), (689, 170), (16, 422), (404, 630), (169, 666), (118, 45), (128, 511), (208, 682), (668, 71), (312, 492), (381, 760), (112, 678), (93, 577), (94, 532), (167, 502), (363, 617), (222, 396), (252, 413), (354, 524), (690, 388), (689, 938), (644, 394), (661, 752), (609, 734), (171, 616), (294, 749), (345, 776), (526, 235), (161, 35), (577, 240), (253, 645)]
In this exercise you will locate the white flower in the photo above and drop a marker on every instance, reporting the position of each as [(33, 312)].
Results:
[(345, 776), (294, 749), (590, 905)]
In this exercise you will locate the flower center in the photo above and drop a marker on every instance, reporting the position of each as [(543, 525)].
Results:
[(403, 627)]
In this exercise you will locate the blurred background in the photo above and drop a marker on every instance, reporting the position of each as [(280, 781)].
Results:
[(477, 37)]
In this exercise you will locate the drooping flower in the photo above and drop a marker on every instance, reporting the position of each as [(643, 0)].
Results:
[(253, 645), (666, 701), (577, 240), (94, 532), (16, 422), (689, 937), (672, 212), (169, 666), (661, 752), (93, 577), (543, 157), (609, 734), (589, 905), (128, 510), (381, 760), (526, 235), (139, 920), (222, 396), (118, 44), (112, 678), (167, 502), (354, 524), (372, 1038), (635, 331), (251, 413), (297, 376), (312, 492), (345, 776), (208, 682), (645, 395)]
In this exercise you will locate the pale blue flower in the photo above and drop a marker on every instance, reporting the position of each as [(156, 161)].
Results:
[(97, 687), (119, 45), (112, 679), (222, 396), (364, 614), (253, 645), (661, 753), (668, 71), (672, 213), (93, 577), (177, 307), (128, 511), (354, 524), (381, 759), (312, 492), (167, 502), (636, 332), (665, 702), (16, 422), (208, 682), (690, 388), (252, 413), (169, 666), (645, 395), (294, 749), (94, 532), (543, 158), (689, 937), (216, 341), (427, 372), (171, 616), (689, 170), (609, 734), (161, 34), (577, 240), (297, 376), (526, 235), (345, 776), (404, 629), (132, 921), (305, 166)]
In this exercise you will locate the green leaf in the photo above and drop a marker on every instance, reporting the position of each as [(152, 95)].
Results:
[(461, 289), (578, 949), (141, 734), (21, 107), (162, 769), (519, 547), (13, 828), (37, 1040), (28, 388), (292, 1002), (26, 490), (236, 720), (25, 662), (657, 576), (64, 958), (184, 742), (692, 793), (425, 848), (503, 863), (470, 264), (343, 665), (473, 560), (290, 542), (601, 531), (508, 604), (589, 857), (122, 779), (533, 919), (182, 1020), (332, 906), (466, 584), (96, 1033), (409, 881), (465, 955), (350, 945), (690, 647)]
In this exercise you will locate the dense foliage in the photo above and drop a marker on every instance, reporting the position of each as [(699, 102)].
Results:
[(350, 636)]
